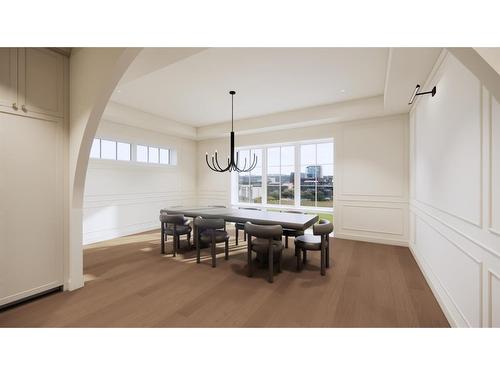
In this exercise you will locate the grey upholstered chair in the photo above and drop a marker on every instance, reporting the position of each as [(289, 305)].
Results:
[(265, 243), (318, 241), (241, 226), (174, 225), (166, 211), (210, 231), (288, 232)]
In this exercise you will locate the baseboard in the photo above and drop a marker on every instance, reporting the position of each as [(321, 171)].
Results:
[(384, 241), (8, 301), (430, 282), (110, 234)]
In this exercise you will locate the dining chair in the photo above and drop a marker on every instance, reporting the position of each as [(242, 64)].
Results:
[(289, 232), (210, 231), (241, 226), (318, 241), (176, 226), (187, 221), (265, 243)]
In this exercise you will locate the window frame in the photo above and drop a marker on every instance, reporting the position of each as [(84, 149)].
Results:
[(297, 175), (170, 152)]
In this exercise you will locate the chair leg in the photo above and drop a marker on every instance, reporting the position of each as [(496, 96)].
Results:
[(286, 242), (197, 251), (162, 239), (213, 254), (299, 260), (189, 240), (304, 256), (178, 242), (226, 250), (323, 261), (236, 229), (271, 264), (249, 258), (244, 235), (174, 244), (327, 256)]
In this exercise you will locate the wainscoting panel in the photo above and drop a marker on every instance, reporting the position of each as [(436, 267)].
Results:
[(455, 214), (385, 220), (447, 261), (380, 222), (448, 144), (111, 216), (494, 299), (495, 167), (374, 160)]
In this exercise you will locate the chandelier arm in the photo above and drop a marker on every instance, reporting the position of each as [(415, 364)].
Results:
[(218, 169), (254, 162), (218, 165), (209, 166)]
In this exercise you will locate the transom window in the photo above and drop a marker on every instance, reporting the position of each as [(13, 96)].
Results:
[(113, 150), (296, 175)]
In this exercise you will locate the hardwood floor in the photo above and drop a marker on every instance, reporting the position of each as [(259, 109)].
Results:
[(129, 284)]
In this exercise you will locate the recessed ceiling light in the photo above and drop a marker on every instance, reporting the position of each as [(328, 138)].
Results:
[(342, 91), (118, 91)]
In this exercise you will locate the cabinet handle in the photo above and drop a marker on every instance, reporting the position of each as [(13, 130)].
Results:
[(23, 107), (14, 106)]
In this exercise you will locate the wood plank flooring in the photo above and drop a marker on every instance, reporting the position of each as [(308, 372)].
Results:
[(129, 284)]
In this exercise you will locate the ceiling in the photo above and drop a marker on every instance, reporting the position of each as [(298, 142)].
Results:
[(194, 90)]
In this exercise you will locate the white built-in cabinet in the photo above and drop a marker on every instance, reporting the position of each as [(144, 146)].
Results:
[(32, 80), (32, 171)]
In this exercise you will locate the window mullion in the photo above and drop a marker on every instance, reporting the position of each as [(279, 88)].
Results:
[(297, 177), (264, 175)]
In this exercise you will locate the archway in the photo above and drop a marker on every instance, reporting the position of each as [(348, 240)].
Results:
[(94, 75)]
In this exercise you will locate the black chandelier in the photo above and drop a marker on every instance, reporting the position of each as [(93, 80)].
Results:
[(232, 162)]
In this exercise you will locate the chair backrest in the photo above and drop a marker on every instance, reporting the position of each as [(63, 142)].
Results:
[(176, 219), (263, 231), (206, 223), (322, 227)]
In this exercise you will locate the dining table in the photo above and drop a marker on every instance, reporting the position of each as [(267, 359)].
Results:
[(287, 220)]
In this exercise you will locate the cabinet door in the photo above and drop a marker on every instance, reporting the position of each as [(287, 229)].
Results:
[(41, 81), (8, 76), (31, 206)]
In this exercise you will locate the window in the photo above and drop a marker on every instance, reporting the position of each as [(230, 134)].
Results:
[(281, 175), (316, 175), (123, 151), (298, 175), (108, 149), (164, 156), (250, 183), (95, 151), (153, 156), (142, 154)]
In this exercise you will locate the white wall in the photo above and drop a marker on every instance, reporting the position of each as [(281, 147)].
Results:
[(371, 181), (455, 194), (125, 197)]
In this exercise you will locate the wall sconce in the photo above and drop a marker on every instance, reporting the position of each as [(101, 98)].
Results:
[(417, 92)]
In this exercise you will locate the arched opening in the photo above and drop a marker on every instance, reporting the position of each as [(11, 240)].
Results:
[(94, 74)]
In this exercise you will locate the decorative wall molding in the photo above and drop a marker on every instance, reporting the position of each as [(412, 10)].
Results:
[(492, 276), (473, 236), (359, 229), (443, 64), (417, 210), (479, 265)]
